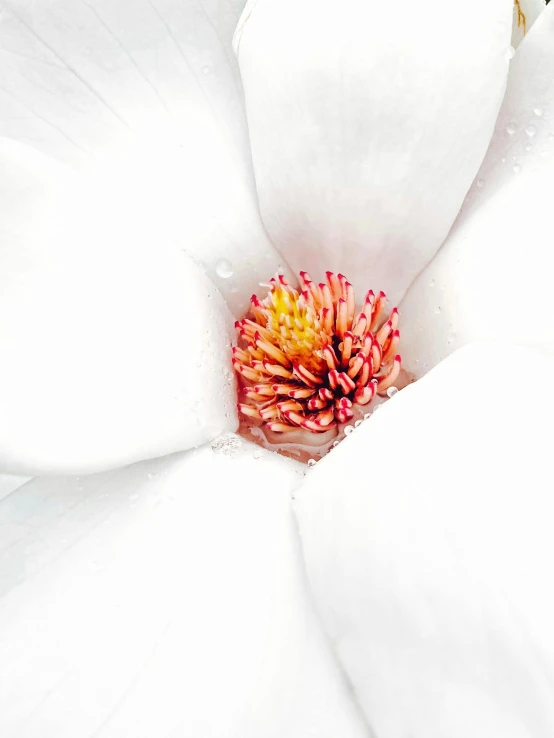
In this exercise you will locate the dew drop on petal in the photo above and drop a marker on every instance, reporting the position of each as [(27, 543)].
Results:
[(392, 391), (312, 462), (516, 168), (348, 430), (551, 136), (528, 147), (205, 69), (258, 454), (530, 131), (335, 443), (357, 424), (437, 310), (480, 182), (510, 53), (511, 128), (367, 416), (224, 269), (538, 111), (432, 283)]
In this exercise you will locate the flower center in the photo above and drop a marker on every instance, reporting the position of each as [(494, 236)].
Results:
[(306, 357)]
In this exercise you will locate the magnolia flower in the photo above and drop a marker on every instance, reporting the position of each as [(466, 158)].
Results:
[(153, 579)]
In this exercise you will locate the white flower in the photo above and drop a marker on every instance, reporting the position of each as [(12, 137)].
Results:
[(168, 597)]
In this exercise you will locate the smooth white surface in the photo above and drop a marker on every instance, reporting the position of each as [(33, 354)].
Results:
[(148, 91), (192, 193), (428, 541), (368, 122), (80, 78), (493, 276), (9, 483), (114, 346), (165, 599)]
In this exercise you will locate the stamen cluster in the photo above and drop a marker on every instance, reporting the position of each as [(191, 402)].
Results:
[(305, 359)]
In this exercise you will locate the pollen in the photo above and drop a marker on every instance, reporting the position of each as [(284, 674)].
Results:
[(305, 358)]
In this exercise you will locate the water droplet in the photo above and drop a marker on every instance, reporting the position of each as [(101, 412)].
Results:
[(551, 136), (392, 391), (258, 454), (437, 310), (367, 415), (348, 430), (480, 182), (205, 69), (503, 159), (510, 53), (335, 443), (224, 269), (530, 131), (538, 111), (432, 283), (450, 339), (528, 147), (516, 168), (357, 424), (511, 128), (312, 462)]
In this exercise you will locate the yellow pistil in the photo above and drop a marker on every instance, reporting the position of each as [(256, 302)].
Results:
[(295, 325)]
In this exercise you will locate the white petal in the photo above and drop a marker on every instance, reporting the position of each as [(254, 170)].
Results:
[(151, 86), (114, 347), (368, 123), (165, 599), (193, 193), (428, 541), (524, 17), (79, 78), (9, 483), (492, 277)]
